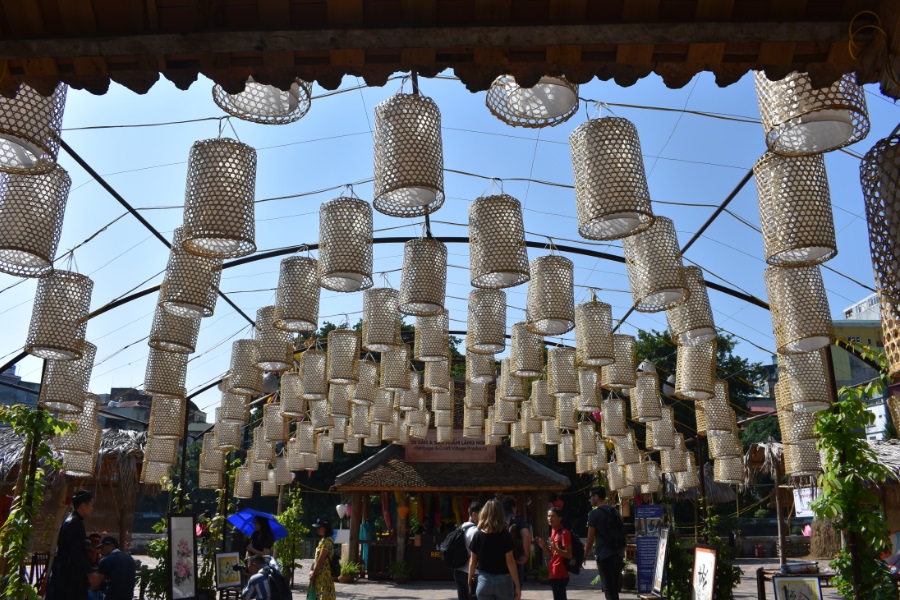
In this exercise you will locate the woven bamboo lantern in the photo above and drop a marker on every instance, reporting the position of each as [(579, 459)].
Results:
[(154, 473), (437, 376), (655, 271), (612, 423), (209, 480), (161, 450), (879, 173), (729, 470), (543, 405), (588, 391), (890, 327), (615, 476), (31, 209), (565, 412), (687, 479), (233, 407), (486, 325), (313, 371), (593, 334), (298, 293), (266, 104), (373, 436), (585, 438), (566, 451), (292, 402), (636, 474), (443, 418), (283, 475), (276, 347), (381, 320), (442, 400), (510, 388), (294, 457), (584, 464), (717, 413), (243, 485), (395, 369), (340, 396), (497, 252), (526, 353), (725, 446), (408, 399), (480, 368), (212, 459), (611, 194), (476, 394), (353, 445), (364, 391), (245, 379), (529, 423), (274, 425), (660, 434), (167, 417), (506, 411), (29, 130), (268, 486), (652, 486), (382, 410), (263, 451), (695, 371), (796, 427), (359, 419), (562, 379), (691, 322), (409, 157), (65, 382), (645, 402), (423, 285), (59, 316), (536, 445), (551, 101), (85, 439), (627, 452), (675, 459), (550, 433), (165, 374), (343, 356), (620, 374), (311, 462), (800, 312), (229, 436), (432, 340), (305, 436), (800, 120), (421, 432), (191, 286), (219, 199), (339, 431), (444, 435), (473, 418), (496, 428), (517, 437), (173, 333), (795, 210), (345, 245), (320, 415), (802, 460), (551, 296), (806, 380)]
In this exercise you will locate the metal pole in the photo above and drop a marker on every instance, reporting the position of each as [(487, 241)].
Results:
[(184, 450), (699, 454)]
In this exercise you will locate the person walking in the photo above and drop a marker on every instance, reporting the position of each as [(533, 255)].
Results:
[(461, 574), (71, 565), (262, 539), (115, 573), (521, 534), (603, 523), (320, 576), (559, 547), (492, 557)]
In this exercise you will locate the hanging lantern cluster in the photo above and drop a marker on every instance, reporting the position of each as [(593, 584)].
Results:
[(266, 104), (550, 101)]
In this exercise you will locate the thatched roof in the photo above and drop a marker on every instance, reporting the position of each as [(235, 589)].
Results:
[(888, 453), (717, 493)]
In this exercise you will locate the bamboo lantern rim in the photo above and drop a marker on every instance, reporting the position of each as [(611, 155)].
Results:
[(266, 104), (497, 252), (30, 124), (549, 102), (345, 245)]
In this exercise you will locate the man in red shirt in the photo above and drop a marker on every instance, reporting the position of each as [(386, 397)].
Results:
[(559, 547)]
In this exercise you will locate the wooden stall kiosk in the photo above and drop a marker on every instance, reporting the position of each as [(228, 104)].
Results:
[(435, 482)]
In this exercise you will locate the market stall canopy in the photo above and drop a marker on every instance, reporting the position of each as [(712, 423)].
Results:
[(87, 44)]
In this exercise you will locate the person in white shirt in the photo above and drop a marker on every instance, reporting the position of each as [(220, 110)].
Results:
[(461, 575)]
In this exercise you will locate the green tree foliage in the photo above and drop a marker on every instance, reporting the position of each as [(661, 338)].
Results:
[(290, 549), (762, 430)]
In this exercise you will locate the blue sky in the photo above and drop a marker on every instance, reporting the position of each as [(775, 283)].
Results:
[(692, 163)]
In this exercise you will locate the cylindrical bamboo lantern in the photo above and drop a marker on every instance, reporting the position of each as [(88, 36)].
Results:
[(212, 459), (266, 104), (593, 334), (506, 411), (292, 402), (800, 120), (423, 284), (796, 427), (486, 325), (263, 449), (655, 271), (725, 445), (476, 394), (717, 413), (364, 391), (473, 418), (165, 374), (626, 449), (359, 419), (85, 439), (294, 457), (497, 252), (275, 345), (729, 470), (245, 379), (229, 436), (31, 209), (620, 374), (806, 380), (339, 431), (661, 433), (510, 388), (268, 486), (497, 428), (29, 130), (612, 423), (320, 414), (233, 407), (536, 445), (443, 418), (408, 399), (636, 474), (800, 313), (313, 371), (585, 438), (645, 402), (65, 382), (283, 475), (442, 400), (173, 333), (381, 320), (802, 460), (395, 369), (305, 436), (566, 450), (311, 461), (615, 476), (298, 293), (480, 368), (675, 459), (688, 478), (59, 316), (219, 199), (879, 173), (588, 391), (432, 341), (543, 405), (795, 210), (343, 356), (382, 410), (652, 486), (345, 245), (409, 156), (529, 423), (437, 376), (339, 398), (562, 380), (695, 373), (890, 327), (353, 445), (167, 418), (691, 322), (518, 439), (565, 412), (324, 448), (209, 480), (243, 485), (611, 193), (191, 286), (551, 295), (161, 450), (551, 101), (584, 463), (526, 354), (373, 436), (444, 435)]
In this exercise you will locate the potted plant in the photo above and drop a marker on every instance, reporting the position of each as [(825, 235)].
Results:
[(542, 574), (400, 572), (629, 577), (349, 571)]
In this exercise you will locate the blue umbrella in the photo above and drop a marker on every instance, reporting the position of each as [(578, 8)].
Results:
[(243, 520)]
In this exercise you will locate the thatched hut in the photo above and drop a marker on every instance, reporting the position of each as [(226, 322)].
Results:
[(888, 453)]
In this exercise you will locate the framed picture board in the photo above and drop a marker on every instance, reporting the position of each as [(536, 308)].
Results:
[(227, 574), (790, 588), (659, 571), (703, 581), (182, 557)]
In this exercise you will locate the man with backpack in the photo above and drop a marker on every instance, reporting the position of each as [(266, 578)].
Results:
[(521, 535), (452, 552), (606, 526), (266, 582)]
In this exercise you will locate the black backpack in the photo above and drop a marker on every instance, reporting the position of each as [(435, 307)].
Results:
[(453, 549), (278, 584), (615, 530), (335, 564), (573, 564)]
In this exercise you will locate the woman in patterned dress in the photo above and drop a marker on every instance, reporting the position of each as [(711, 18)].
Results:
[(320, 576)]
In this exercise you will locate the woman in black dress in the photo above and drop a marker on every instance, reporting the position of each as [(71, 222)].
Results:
[(262, 539), (71, 565)]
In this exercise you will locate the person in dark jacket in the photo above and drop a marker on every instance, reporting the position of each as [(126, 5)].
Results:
[(116, 573), (71, 565)]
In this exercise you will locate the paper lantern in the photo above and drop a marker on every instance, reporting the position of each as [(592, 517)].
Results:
[(432, 341), (29, 130), (246, 379), (313, 371), (795, 210), (233, 407), (543, 405), (561, 376), (276, 346), (611, 194), (497, 252), (343, 356), (266, 104), (695, 371), (661, 433), (292, 402), (655, 271), (800, 120), (802, 460), (229, 436), (409, 157), (166, 374), (345, 245), (687, 479), (551, 101), (645, 401), (298, 293), (551, 299), (588, 391), (879, 173), (364, 390), (31, 210), (526, 352), (219, 199), (486, 325), (806, 380), (65, 382), (59, 316), (620, 373), (593, 334), (167, 417), (691, 322), (510, 388), (799, 306), (612, 423), (173, 333), (725, 445), (191, 286), (381, 320), (480, 368), (437, 376)]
